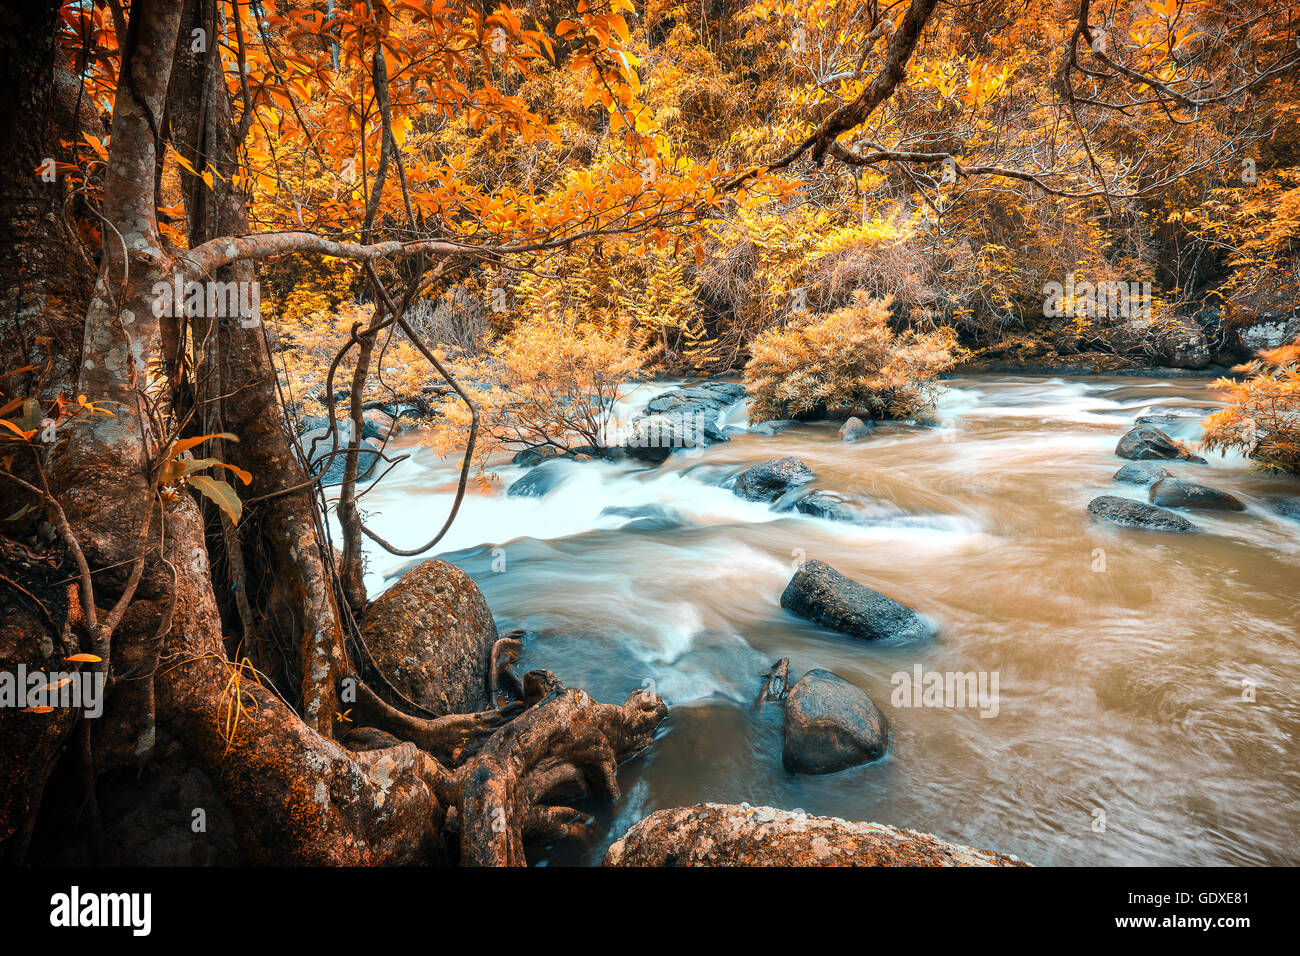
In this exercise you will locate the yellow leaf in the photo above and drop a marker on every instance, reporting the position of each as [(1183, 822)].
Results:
[(220, 493)]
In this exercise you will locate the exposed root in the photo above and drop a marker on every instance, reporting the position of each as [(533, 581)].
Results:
[(451, 739), (504, 684), (566, 743), (776, 683)]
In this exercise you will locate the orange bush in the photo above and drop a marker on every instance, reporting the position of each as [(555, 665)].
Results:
[(847, 358), (1263, 422)]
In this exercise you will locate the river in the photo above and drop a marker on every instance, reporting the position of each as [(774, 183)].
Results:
[(1125, 730)]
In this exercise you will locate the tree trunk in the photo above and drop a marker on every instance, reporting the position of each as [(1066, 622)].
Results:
[(44, 293)]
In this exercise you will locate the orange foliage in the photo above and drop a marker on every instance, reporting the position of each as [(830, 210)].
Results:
[(1263, 422)]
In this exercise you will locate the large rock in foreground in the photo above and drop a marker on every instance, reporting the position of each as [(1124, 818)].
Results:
[(431, 634), (1128, 513), (771, 479), (716, 834), (831, 725), (1175, 493), (820, 593), (1149, 442)]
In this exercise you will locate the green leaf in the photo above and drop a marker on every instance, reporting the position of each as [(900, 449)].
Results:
[(221, 494)]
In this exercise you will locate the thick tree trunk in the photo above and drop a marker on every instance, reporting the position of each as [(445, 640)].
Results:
[(45, 280), (282, 532), (144, 600)]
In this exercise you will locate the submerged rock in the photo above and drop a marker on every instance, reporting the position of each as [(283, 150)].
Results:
[(1174, 493), (1176, 416), (771, 479), (772, 426), (833, 506), (1141, 473), (540, 481), (831, 725), (431, 635), (855, 429), (1149, 442), (714, 834), (826, 504), (1286, 507), (820, 593), (645, 517), (1136, 514)]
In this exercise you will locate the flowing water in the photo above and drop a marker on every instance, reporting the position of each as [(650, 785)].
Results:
[(1126, 661)]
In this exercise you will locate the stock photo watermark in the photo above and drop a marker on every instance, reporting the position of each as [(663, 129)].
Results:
[(1096, 300), (948, 689), (212, 300), (42, 691)]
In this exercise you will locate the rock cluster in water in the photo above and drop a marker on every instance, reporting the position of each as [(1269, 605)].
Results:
[(681, 418)]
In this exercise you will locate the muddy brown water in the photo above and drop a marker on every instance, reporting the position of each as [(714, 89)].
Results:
[(1126, 661)]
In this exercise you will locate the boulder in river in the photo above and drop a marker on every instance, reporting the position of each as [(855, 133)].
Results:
[(318, 444), (431, 635), (1183, 345), (378, 424), (771, 479), (827, 505), (540, 481), (1270, 330), (535, 455), (1137, 514), (831, 725), (653, 438), (1175, 493), (820, 593), (1149, 442), (715, 834), (1141, 473), (855, 429)]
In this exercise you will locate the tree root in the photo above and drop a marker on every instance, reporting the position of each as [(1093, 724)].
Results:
[(503, 681), (776, 683), (565, 745)]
